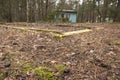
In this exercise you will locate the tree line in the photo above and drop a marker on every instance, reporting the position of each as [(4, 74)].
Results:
[(45, 10)]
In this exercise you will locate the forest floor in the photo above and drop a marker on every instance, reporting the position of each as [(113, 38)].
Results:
[(31, 55)]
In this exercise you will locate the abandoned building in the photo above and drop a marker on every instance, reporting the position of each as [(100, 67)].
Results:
[(67, 16)]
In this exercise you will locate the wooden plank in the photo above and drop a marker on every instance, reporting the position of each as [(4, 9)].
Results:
[(72, 33), (58, 34), (35, 29), (76, 32)]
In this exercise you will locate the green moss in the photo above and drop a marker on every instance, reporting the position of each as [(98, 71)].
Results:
[(61, 68), (43, 73), (1, 76), (27, 67)]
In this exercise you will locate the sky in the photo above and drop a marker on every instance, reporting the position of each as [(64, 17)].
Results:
[(81, 1)]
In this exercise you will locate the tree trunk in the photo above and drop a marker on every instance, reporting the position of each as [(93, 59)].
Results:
[(105, 7), (46, 10), (42, 10), (93, 12), (98, 11), (36, 10), (27, 10), (118, 12), (10, 12)]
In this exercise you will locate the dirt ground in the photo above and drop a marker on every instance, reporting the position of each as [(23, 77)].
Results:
[(89, 56)]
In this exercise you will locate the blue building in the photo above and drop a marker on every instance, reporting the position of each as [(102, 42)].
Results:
[(67, 16)]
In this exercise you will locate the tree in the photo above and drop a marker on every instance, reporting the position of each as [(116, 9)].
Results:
[(36, 10), (44, 10), (27, 9), (118, 12)]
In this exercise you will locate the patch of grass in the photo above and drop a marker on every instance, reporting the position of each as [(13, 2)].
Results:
[(46, 73), (116, 42), (43, 73), (61, 68), (27, 67), (1, 76)]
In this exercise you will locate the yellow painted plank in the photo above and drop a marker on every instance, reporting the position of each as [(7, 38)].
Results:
[(76, 32), (35, 29)]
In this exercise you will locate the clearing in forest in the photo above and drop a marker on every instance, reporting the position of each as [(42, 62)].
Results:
[(27, 53)]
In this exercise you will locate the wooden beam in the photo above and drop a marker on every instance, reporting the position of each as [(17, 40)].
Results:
[(76, 32), (34, 29), (72, 33), (57, 34)]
